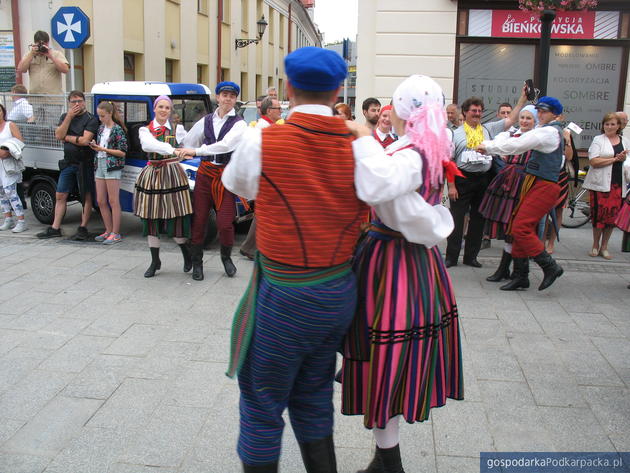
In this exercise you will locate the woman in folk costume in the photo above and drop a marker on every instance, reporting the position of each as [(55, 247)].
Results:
[(402, 354), (162, 198), (501, 197), (383, 130)]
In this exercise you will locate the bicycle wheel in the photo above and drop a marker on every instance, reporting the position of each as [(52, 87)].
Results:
[(578, 210)]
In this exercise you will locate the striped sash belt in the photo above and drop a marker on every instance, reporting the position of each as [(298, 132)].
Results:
[(278, 275)]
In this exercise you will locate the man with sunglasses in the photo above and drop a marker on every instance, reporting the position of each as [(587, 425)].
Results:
[(77, 127)]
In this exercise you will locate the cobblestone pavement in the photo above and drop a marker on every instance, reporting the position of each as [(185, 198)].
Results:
[(104, 371)]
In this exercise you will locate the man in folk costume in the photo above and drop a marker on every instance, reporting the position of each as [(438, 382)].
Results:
[(383, 131), (466, 193), (213, 139), (309, 189), (539, 192)]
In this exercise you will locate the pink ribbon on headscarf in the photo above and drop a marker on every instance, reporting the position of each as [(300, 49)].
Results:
[(426, 128)]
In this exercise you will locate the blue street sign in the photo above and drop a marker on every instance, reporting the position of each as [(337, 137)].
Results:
[(70, 27)]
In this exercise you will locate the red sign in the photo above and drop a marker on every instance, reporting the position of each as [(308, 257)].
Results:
[(522, 24)]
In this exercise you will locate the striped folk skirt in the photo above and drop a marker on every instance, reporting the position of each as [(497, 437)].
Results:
[(500, 200), (623, 217), (402, 354), (563, 182), (162, 200)]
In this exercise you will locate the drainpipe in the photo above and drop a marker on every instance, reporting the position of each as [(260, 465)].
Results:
[(219, 23), (290, 26), (17, 45)]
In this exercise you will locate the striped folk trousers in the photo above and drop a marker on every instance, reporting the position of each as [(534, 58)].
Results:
[(290, 364)]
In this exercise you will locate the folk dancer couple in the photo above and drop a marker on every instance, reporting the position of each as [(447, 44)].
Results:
[(312, 179), (162, 198)]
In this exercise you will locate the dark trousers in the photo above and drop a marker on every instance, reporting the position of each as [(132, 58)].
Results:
[(470, 189), (203, 202)]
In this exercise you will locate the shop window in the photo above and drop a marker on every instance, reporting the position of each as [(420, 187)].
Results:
[(494, 72)]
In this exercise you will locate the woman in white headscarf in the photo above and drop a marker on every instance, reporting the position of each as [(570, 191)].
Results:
[(501, 197), (402, 354)]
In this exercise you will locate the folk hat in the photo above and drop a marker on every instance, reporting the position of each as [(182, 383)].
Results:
[(227, 86), (551, 104), (315, 69)]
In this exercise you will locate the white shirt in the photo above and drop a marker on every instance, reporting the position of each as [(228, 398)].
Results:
[(103, 141), (152, 145), (21, 111), (194, 138), (544, 139), (389, 184), (262, 123), (382, 135)]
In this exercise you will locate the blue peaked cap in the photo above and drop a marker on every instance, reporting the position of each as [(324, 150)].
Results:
[(227, 86), (549, 103), (315, 69)]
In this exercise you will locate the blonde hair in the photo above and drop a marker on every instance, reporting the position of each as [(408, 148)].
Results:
[(610, 117), (109, 107)]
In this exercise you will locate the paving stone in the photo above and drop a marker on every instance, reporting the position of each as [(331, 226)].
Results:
[(18, 363), (20, 463), (519, 321), (590, 368), (131, 406), (417, 448), (552, 385), (127, 468), (575, 429), (496, 363), (472, 437), (76, 354), (488, 332), (469, 307), (611, 406), (23, 400), (215, 347), (137, 340), (165, 440), (30, 322), (47, 433), (451, 464), (94, 450), (534, 348), (596, 325), (199, 384), (8, 427), (101, 377)]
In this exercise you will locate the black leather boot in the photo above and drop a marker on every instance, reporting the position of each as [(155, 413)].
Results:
[(503, 271), (155, 263), (228, 265), (196, 256), (319, 456), (551, 269), (521, 275), (386, 460), (187, 257), (268, 468)]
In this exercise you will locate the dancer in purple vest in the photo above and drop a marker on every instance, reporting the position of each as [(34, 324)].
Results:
[(213, 139)]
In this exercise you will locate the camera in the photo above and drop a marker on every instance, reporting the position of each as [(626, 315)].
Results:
[(531, 92), (41, 47)]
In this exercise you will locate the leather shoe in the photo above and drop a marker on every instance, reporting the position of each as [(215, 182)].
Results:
[(473, 262), (449, 262)]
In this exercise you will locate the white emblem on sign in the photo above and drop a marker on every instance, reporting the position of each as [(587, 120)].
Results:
[(68, 27)]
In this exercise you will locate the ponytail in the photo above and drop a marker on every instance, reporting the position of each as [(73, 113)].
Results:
[(109, 107)]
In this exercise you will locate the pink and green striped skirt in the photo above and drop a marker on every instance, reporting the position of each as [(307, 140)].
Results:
[(623, 217), (402, 354)]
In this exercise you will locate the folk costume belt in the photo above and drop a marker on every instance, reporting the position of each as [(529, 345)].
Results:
[(158, 163), (279, 275)]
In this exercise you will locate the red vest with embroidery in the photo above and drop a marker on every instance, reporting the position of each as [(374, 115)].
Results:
[(389, 139), (307, 210)]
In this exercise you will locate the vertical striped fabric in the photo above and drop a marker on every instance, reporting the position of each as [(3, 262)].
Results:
[(291, 363), (402, 354), (623, 217)]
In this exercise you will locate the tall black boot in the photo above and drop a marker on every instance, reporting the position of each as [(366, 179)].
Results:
[(386, 460), (155, 263), (187, 257), (521, 278), (551, 269), (319, 456), (196, 256), (268, 468), (503, 271), (228, 265)]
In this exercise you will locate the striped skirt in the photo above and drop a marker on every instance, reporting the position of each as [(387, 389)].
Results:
[(162, 200), (402, 354), (623, 217), (563, 182), (500, 199)]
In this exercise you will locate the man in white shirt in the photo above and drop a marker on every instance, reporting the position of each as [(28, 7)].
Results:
[(22, 111), (213, 139)]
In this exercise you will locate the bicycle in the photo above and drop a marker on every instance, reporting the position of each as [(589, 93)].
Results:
[(578, 210)]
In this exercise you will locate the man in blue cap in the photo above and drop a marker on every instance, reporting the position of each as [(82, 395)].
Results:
[(213, 139), (539, 192), (302, 297)]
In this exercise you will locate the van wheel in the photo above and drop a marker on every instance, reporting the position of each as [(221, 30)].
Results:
[(43, 202)]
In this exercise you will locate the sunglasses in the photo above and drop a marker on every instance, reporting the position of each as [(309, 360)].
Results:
[(76, 101)]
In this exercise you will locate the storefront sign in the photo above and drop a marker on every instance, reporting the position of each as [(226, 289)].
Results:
[(586, 80), (523, 24), (7, 51)]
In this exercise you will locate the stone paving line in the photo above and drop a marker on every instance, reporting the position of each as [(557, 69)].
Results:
[(104, 371)]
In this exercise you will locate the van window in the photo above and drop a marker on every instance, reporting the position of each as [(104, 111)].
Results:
[(132, 112), (188, 111)]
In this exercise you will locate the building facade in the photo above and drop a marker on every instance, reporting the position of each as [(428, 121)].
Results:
[(174, 40), (488, 48)]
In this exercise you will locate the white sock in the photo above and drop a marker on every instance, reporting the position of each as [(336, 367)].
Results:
[(180, 241), (508, 248), (154, 242), (389, 436)]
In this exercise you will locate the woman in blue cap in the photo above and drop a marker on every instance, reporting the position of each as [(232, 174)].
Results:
[(539, 194)]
